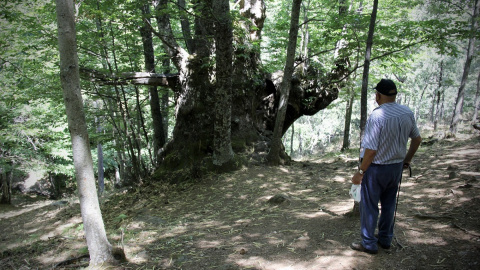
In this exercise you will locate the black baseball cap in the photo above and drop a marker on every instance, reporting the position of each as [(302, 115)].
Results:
[(386, 87)]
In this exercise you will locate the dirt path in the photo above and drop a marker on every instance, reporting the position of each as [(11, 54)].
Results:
[(227, 222)]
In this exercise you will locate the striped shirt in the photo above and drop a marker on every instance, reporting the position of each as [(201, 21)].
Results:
[(387, 131)]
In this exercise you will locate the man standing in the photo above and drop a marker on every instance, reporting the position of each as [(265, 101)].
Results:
[(384, 155)]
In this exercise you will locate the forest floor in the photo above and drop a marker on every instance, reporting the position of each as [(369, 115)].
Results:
[(226, 222)]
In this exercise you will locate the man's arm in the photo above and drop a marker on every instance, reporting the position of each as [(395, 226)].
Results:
[(414, 144), (367, 160)]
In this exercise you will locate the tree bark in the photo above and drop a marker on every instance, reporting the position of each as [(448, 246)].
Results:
[(276, 144), (439, 94), (186, 29), (5, 184), (255, 99), (476, 103), (366, 70), (155, 110), (222, 144), (419, 104), (101, 178), (348, 119), (99, 248), (457, 113)]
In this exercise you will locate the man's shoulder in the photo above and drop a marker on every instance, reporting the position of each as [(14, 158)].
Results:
[(388, 110)]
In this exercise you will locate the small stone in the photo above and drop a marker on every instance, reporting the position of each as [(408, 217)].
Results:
[(452, 167), (279, 199)]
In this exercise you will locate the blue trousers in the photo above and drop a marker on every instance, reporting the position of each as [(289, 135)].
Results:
[(379, 184)]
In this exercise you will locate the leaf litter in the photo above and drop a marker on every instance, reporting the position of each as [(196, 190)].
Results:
[(227, 222)]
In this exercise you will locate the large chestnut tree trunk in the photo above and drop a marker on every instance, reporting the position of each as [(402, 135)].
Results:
[(254, 95)]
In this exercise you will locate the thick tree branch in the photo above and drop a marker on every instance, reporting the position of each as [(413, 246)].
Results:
[(135, 78)]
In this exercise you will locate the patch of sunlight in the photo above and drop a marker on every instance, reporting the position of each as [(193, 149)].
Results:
[(147, 236), (228, 179), (285, 170), (28, 208), (249, 182), (419, 196), (441, 226), (432, 192), (311, 199), (67, 251), (260, 175), (266, 185), (465, 152), (175, 231), (263, 198), (243, 221), (469, 173), (311, 215), (408, 184), (33, 177), (302, 191), (209, 244), (340, 207), (422, 237), (339, 179), (138, 256), (338, 260)]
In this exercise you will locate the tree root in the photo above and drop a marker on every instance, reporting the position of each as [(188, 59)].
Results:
[(465, 230), (421, 216)]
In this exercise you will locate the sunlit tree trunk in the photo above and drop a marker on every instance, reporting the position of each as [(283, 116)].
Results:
[(476, 103), (439, 94), (419, 103), (99, 248), (457, 113)]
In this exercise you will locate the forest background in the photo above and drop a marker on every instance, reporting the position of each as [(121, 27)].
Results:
[(421, 45), (426, 47)]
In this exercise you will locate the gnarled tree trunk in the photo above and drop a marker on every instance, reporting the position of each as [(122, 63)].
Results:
[(254, 96)]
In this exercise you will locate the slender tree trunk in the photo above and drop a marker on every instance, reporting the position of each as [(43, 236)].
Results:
[(348, 119), (457, 113), (476, 103), (431, 113), (143, 130), (366, 70), (99, 248), (276, 144), (101, 178), (291, 138), (148, 52), (305, 38), (439, 93), (5, 184), (419, 104), (342, 12), (222, 144), (186, 30)]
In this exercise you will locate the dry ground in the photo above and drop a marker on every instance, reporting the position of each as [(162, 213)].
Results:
[(225, 222)]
